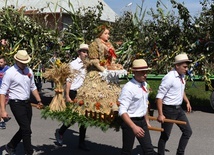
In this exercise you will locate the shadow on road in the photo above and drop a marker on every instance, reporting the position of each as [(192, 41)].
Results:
[(70, 146)]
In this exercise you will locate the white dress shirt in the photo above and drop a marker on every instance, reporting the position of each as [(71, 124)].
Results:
[(171, 89), (133, 99), (77, 82), (18, 84)]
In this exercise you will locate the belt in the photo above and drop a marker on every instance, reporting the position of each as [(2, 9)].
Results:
[(18, 101), (137, 118), (73, 91), (172, 106)]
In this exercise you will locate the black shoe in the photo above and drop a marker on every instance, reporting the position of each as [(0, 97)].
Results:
[(83, 147), (6, 119), (9, 150), (59, 138), (2, 125)]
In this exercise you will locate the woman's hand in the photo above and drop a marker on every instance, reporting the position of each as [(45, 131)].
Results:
[(96, 63)]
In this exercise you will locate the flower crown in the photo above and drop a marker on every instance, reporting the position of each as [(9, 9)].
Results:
[(100, 29)]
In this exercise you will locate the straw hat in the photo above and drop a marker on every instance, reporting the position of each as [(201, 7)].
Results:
[(22, 56), (181, 58), (140, 65), (83, 47)]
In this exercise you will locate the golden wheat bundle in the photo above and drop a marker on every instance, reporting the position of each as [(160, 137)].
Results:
[(59, 73)]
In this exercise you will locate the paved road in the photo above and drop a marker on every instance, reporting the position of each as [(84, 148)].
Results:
[(107, 143)]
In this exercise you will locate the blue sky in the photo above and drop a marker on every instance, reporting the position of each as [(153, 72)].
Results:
[(120, 6)]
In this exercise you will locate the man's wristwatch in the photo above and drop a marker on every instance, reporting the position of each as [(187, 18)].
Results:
[(39, 101)]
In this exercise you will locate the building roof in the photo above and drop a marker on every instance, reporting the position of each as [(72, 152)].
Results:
[(48, 6)]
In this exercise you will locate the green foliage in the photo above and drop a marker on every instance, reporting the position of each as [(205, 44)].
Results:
[(70, 117), (157, 39), (84, 22), (165, 35), (197, 94), (33, 33), (22, 32)]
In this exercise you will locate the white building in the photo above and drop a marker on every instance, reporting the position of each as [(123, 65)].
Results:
[(59, 7)]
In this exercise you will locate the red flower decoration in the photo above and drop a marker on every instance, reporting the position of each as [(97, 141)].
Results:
[(29, 75), (81, 102), (97, 105)]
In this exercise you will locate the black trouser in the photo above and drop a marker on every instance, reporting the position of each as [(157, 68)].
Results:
[(82, 129), (129, 137), (38, 82), (22, 112), (177, 113)]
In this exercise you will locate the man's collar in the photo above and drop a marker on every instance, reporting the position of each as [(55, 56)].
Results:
[(17, 67), (177, 74), (79, 60), (138, 83)]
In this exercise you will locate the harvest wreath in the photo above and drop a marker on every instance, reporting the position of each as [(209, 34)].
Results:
[(97, 107), (92, 119)]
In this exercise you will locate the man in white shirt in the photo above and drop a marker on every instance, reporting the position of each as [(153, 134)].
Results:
[(18, 83), (133, 110), (169, 99), (71, 92)]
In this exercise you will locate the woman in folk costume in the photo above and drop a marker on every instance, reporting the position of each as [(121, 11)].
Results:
[(102, 52), (100, 90)]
